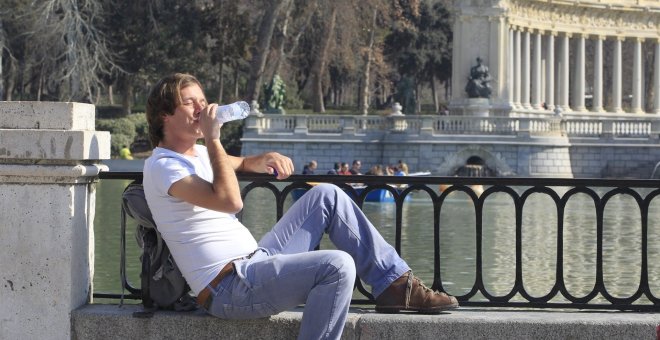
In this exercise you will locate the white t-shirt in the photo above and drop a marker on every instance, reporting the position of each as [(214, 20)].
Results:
[(202, 241)]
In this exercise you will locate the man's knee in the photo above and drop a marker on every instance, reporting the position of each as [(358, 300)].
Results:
[(343, 263)]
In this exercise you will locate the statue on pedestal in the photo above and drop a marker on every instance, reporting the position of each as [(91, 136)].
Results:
[(478, 85)]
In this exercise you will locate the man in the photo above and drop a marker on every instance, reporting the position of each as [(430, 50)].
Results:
[(193, 194), (355, 167), (310, 168)]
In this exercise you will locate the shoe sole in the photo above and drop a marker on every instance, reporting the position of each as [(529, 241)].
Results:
[(395, 310)]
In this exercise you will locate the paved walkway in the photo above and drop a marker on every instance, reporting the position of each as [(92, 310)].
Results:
[(111, 322)]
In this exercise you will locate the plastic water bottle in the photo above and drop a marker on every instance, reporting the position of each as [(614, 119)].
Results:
[(233, 111)]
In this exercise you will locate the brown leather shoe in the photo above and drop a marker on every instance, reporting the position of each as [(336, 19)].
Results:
[(409, 293)]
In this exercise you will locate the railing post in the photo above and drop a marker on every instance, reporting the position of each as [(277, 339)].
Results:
[(427, 126), (655, 130), (348, 124), (49, 162), (608, 130), (301, 125), (524, 128)]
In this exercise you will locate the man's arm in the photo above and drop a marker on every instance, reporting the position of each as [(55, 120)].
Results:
[(269, 162), (224, 194)]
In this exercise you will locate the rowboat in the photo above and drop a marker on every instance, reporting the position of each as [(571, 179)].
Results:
[(376, 195)]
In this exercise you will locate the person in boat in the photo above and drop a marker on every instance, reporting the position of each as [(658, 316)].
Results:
[(344, 170), (309, 168), (401, 169), (335, 169), (193, 193), (355, 167)]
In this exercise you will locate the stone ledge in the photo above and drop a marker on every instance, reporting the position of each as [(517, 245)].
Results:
[(112, 322)]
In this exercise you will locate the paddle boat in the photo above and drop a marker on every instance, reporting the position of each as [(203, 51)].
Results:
[(376, 195)]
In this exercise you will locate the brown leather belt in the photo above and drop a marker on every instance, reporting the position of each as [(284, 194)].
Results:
[(203, 296)]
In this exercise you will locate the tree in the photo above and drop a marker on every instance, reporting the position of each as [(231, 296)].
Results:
[(262, 48), (420, 44), (318, 68)]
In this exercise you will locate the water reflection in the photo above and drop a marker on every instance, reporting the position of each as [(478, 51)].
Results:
[(458, 240)]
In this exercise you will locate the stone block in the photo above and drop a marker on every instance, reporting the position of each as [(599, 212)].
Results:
[(47, 116), (54, 144)]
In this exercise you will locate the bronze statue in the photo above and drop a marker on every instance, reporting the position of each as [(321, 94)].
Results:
[(478, 85)]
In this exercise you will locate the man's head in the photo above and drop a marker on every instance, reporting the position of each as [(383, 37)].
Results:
[(357, 164), (163, 99), (313, 165)]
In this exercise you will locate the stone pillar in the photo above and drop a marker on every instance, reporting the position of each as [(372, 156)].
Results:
[(637, 77), (550, 72), (511, 64), (616, 76), (49, 162), (536, 72), (580, 65), (656, 79), (526, 70), (564, 76), (597, 105), (517, 68)]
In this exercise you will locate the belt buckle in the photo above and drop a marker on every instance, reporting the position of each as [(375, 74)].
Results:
[(207, 303)]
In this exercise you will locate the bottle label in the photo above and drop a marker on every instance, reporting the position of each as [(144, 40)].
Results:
[(233, 111)]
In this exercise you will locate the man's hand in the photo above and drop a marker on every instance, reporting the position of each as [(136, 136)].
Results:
[(270, 163), (208, 124)]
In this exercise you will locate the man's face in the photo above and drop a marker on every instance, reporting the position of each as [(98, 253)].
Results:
[(185, 121)]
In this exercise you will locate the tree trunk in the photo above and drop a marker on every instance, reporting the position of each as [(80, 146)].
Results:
[(127, 87), (258, 62), (364, 97), (10, 80), (2, 78), (434, 94), (320, 63), (221, 81), (111, 96), (236, 82), (284, 38)]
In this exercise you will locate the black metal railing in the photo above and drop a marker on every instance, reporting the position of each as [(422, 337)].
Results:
[(600, 191)]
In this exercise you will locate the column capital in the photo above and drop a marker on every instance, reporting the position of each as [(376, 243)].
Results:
[(553, 33), (619, 38), (639, 39), (599, 36), (567, 34)]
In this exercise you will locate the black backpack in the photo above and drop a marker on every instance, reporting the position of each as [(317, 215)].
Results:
[(162, 284)]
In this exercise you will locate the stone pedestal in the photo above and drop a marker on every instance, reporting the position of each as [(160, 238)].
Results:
[(477, 107), (49, 161)]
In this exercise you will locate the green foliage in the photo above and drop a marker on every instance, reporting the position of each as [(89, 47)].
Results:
[(122, 131), (231, 137)]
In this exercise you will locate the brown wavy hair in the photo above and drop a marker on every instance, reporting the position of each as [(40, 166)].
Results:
[(163, 99)]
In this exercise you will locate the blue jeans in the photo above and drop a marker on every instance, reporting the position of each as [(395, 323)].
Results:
[(285, 272)]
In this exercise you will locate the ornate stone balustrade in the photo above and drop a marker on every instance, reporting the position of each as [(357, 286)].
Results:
[(645, 127)]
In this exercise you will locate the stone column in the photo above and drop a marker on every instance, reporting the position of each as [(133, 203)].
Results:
[(564, 76), (616, 76), (510, 71), (579, 87), (49, 162), (526, 47), (637, 77), (656, 79), (550, 72), (597, 105), (536, 72), (517, 69)]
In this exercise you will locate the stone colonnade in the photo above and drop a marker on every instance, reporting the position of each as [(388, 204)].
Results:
[(545, 55), (540, 62)]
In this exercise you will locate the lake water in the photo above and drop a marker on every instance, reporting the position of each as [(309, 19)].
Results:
[(621, 230)]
